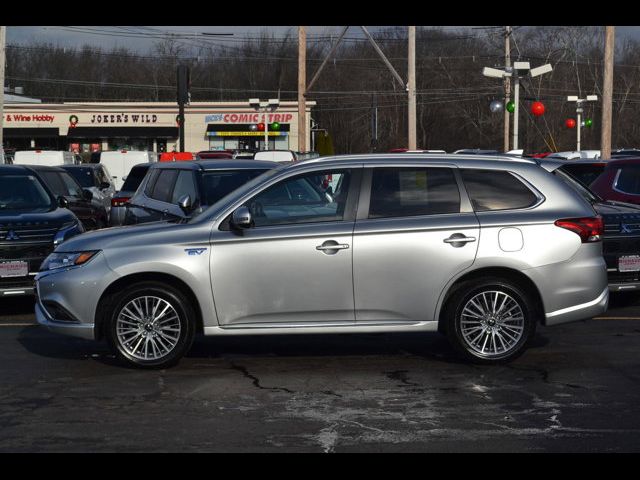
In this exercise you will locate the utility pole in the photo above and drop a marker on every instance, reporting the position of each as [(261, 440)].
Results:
[(607, 93), (374, 123), (411, 87), (3, 31), (507, 84), (184, 97), (579, 110), (302, 81)]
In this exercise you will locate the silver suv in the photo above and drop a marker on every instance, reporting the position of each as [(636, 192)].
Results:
[(479, 248)]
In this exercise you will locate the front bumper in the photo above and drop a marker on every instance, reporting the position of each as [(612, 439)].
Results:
[(67, 299), (18, 288), (74, 329)]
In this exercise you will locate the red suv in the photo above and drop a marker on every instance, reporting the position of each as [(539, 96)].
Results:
[(619, 181)]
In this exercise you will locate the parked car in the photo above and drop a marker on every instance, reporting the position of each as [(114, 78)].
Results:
[(32, 223), (620, 181), (121, 199), (465, 246), (625, 152), (621, 238), (78, 200), (95, 178), (120, 163), (406, 150), (51, 158), (476, 151), (179, 191), (584, 171), (282, 156)]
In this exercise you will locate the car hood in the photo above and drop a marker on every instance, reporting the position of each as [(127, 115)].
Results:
[(52, 218), (146, 234)]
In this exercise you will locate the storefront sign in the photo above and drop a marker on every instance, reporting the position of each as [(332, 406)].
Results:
[(29, 117), (128, 118), (246, 134), (247, 118)]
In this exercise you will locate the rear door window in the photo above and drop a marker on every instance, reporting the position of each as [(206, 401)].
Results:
[(628, 180), (403, 192), (496, 190)]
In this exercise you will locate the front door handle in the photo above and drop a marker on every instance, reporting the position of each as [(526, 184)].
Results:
[(331, 246), (459, 240)]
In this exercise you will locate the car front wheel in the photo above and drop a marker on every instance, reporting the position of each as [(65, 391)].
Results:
[(150, 325)]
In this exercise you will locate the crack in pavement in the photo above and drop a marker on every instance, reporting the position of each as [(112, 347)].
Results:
[(256, 381)]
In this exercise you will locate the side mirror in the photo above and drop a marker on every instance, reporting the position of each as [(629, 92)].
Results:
[(104, 185), (63, 202), (87, 194), (241, 218), (185, 203)]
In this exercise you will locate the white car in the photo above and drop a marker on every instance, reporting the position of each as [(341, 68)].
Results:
[(49, 158), (120, 163), (575, 155)]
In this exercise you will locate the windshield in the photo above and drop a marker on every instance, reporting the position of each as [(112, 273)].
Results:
[(577, 186), (217, 184), (84, 176), (23, 193), (236, 194)]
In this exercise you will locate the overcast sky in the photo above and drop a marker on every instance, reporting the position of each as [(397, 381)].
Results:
[(141, 38)]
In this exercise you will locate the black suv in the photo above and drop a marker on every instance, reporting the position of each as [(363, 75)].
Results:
[(180, 190), (78, 199), (32, 223)]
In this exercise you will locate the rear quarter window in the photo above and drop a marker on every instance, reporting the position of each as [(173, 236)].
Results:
[(628, 180), (496, 190)]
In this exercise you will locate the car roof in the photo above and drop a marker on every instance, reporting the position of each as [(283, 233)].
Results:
[(221, 164), (444, 158), (624, 161), (13, 169), (83, 165), (44, 168)]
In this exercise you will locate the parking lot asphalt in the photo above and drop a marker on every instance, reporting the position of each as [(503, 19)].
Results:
[(577, 389)]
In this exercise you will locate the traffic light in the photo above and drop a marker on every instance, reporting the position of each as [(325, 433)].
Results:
[(184, 83)]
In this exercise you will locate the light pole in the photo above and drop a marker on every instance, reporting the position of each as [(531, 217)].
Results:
[(518, 71), (579, 110), (269, 106)]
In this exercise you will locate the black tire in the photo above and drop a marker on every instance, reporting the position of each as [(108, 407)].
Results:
[(500, 288), (185, 323)]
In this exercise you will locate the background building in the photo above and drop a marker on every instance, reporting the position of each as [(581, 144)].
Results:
[(148, 126)]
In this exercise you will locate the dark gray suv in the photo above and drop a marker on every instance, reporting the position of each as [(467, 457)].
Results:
[(179, 190)]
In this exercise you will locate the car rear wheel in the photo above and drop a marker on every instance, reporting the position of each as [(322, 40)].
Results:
[(150, 325), (490, 320)]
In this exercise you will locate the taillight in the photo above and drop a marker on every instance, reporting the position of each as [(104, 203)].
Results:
[(590, 229), (119, 201)]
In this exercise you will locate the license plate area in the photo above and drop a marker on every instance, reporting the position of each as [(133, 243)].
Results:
[(629, 263), (13, 269)]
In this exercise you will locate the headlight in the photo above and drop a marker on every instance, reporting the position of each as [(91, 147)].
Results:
[(66, 259), (67, 231)]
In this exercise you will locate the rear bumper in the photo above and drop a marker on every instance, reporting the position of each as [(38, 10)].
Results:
[(581, 311)]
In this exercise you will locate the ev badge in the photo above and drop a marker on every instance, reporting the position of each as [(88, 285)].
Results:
[(195, 251)]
